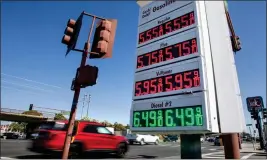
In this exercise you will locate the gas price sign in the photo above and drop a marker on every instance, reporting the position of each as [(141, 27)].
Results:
[(168, 80), (171, 117), (174, 22), (168, 50), (174, 112)]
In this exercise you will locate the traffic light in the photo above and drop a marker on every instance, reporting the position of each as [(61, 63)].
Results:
[(104, 39), (87, 76), (254, 114), (72, 33), (236, 44), (264, 112), (31, 106)]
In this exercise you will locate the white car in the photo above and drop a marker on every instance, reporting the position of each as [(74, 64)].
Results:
[(142, 139)]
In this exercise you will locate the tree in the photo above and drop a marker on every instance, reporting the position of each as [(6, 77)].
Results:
[(106, 123), (33, 113), (17, 127), (59, 116), (118, 127), (86, 119), (127, 126)]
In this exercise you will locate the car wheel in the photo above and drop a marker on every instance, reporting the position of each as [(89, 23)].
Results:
[(142, 142), (131, 143), (156, 142), (75, 151), (121, 151)]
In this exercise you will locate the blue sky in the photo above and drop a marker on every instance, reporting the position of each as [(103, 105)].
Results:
[(32, 49)]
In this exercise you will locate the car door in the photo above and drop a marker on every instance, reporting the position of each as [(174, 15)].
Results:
[(89, 137), (110, 141)]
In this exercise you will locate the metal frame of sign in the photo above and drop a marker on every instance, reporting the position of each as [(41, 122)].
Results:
[(193, 33), (162, 11), (172, 15), (179, 101), (190, 64)]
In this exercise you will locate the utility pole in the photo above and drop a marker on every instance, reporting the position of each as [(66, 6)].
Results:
[(84, 97), (89, 99)]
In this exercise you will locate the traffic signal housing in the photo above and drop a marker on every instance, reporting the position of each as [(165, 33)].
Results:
[(264, 113), (104, 39), (72, 33), (31, 107), (236, 44), (87, 76), (254, 114)]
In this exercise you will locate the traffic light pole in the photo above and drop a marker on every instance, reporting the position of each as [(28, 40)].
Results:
[(77, 89), (260, 132)]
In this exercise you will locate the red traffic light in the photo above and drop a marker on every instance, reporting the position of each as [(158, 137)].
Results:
[(71, 33), (104, 39)]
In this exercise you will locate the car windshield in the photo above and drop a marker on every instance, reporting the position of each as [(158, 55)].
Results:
[(59, 126)]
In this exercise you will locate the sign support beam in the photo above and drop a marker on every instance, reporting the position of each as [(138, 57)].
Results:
[(190, 146), (231, 146)]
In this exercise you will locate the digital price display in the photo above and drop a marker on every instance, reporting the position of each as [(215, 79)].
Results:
[(178, 23), (159, 8), (168, 53), (176, 81), (170, 117)]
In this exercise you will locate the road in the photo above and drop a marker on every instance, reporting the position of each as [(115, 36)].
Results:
[(18, 149)]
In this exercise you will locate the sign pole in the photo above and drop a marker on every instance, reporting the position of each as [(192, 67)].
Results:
[(252, 139), (231, 146), (190, 146), (76, 99)]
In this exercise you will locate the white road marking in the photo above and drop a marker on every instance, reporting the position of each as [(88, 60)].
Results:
[(207, 154), (212, 149), (176, 146), (248, 155), (203, 147), (7, 158)]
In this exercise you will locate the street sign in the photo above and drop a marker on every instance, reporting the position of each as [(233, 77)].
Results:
[(248, 124), (65, 113), (254, 103), (185, 80)]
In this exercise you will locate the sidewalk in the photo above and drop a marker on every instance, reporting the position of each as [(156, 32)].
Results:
[(248, 148)]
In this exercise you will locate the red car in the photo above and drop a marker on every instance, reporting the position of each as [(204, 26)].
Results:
[(87, 137)]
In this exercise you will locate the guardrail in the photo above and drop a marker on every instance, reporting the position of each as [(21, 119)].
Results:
[(20, 112)]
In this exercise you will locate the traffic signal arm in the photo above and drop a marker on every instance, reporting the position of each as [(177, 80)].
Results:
[(104, 39)]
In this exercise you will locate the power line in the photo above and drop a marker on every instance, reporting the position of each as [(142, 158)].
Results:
[(31, 81), (28, 86)]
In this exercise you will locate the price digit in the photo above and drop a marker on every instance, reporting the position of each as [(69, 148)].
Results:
[(160, 85), (160, 118), (191, 18), (168, 118), (160, 56), (179, 113), (194, 46), (179, 81), (199, 116), (147, 87), (196, 78), (189, 113), (153, 117), (145, 117), (136, 119)]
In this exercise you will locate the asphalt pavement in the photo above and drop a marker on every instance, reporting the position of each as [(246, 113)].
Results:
[(17, 149)]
